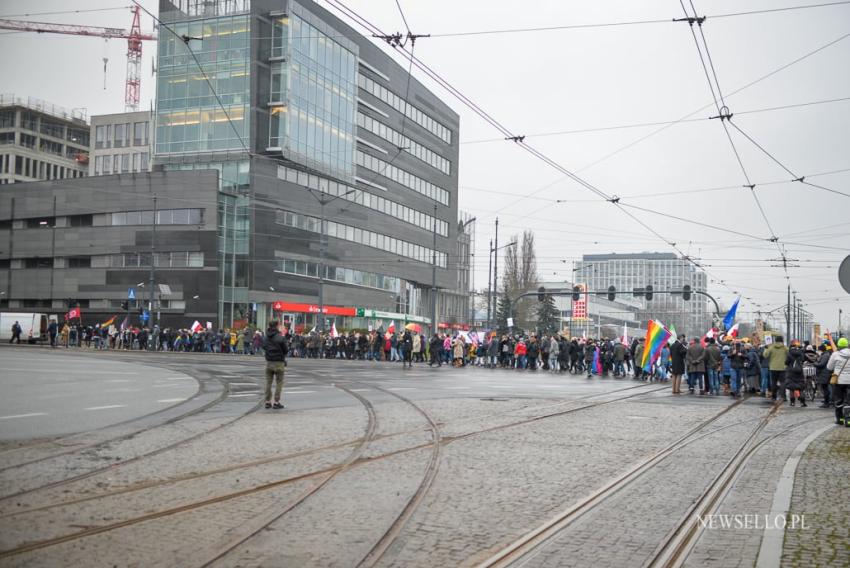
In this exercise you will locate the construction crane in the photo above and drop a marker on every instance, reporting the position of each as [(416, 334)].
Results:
[(134, 37)]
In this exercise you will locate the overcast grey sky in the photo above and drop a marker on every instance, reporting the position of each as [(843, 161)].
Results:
[(543, 83)]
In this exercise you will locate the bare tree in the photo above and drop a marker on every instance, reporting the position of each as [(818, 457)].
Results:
[(521, 276)]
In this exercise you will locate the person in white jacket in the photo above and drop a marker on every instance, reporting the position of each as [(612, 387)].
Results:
[(839, 364)]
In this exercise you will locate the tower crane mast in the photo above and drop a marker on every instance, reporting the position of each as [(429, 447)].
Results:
[(134, 37)]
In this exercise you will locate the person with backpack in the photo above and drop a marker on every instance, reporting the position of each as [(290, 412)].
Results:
[(823, 375), (794, 381), (276, 347)]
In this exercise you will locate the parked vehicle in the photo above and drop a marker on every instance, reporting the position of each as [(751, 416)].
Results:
[(33, 326)]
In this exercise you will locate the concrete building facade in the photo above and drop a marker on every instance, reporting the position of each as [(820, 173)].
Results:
[(121, 143), (664, 271), (88, 242), (338, 171), (41, 141)]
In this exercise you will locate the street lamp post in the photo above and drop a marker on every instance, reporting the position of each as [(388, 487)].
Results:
[(322, 241)]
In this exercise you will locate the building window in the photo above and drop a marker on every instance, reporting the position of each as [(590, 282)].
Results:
[(140, 133), (7, 118), (137, 162), (50, 147), (107, 164), (80, 220), (98, 165), (29, 121), (78, 136), (28, 140), (280, 33), (38, 262), (125, 163), (119, 135), (100, 140), (163, 217), (277, 126), (41, 222), (7, 137), (78, 262), (51, 128), (144, 166)]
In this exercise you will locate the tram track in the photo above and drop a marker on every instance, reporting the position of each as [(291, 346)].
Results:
[(521, 550), (144, 485), (324, 475)]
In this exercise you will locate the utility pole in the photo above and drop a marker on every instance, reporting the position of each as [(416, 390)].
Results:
[(788, 318), (152, 278), (496, 270), (434, 275), (490, 282), (322, 243)]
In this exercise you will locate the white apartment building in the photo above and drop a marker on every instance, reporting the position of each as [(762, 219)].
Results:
[(120, 143)]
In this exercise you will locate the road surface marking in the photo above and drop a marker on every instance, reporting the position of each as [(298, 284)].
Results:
[(23, 415), (299, 392), (171, 400), (106, 407), (458, 388), (401, 388)]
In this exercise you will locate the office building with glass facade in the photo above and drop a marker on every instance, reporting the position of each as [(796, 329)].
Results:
[(334, 165), (664, 271)]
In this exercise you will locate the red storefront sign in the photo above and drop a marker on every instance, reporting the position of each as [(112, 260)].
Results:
[(455, 326), (312, 309)]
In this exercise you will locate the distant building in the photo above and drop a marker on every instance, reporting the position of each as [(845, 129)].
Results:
[(338, 170), (41, 141), (664, 271), (120, 143), (87, 243), (595, 316)]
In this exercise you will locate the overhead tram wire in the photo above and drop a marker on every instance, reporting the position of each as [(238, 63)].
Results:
[(689, 115), (627, 23), (724, 115), (659, 123), (795, 177), (508, 134)]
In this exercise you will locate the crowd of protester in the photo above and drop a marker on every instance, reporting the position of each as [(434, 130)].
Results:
[(711, 367)]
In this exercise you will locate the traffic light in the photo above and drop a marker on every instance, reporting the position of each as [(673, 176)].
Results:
[(576, 293), (612, 293), (686, 292), (648, 291), (541, 294), (125, 305)]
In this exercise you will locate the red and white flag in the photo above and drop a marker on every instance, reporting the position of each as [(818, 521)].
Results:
[(334, 332), (625, 335), (733, 331), (391, 329), (197, 327), (73, 313)]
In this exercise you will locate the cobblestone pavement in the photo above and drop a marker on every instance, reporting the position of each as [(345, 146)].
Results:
[(516, 449), (821, 494)]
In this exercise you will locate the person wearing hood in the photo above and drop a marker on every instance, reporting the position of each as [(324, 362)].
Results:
[(276, 347), (794, 380), (839, 365)]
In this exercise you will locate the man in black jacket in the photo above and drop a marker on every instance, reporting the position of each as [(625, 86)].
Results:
[(678, 351), (276, 347)]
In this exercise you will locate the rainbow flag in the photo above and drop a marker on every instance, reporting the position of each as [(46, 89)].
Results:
[(597, 363), (656, 337), (108, 322)]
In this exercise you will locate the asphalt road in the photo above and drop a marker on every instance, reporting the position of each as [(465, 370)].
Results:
[(52, 392)]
